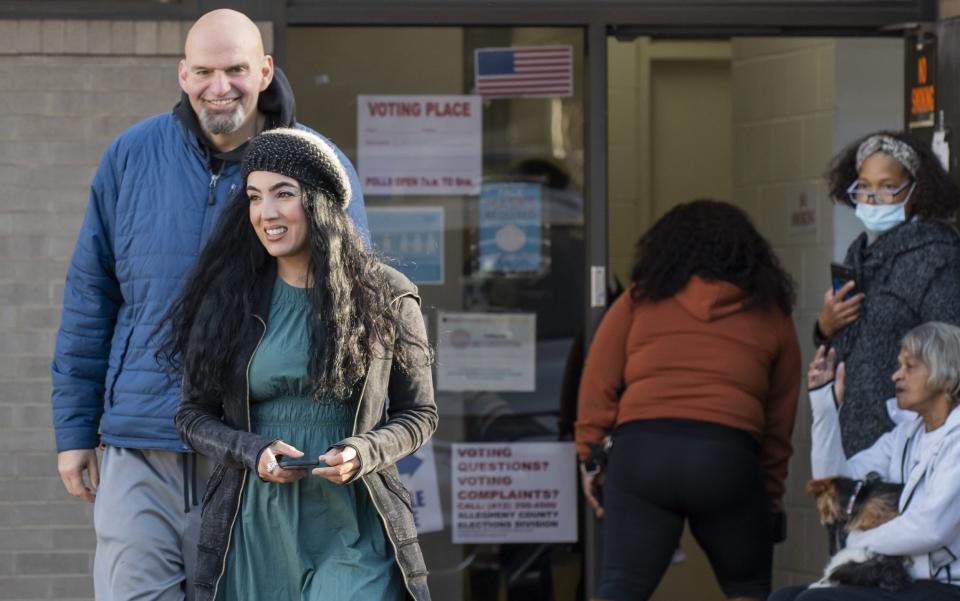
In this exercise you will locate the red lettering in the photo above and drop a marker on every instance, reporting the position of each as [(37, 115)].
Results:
[(394, 109), (448, 109), (803, 218)]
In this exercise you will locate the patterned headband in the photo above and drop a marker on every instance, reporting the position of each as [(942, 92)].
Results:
[(901, 151)]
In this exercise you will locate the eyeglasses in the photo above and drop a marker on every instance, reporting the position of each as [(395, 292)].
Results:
[(884, 195)]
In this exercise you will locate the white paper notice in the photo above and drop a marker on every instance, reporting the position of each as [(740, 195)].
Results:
[(483, 351), (514, 492), (419, 474), (419, 144), (941, 148)]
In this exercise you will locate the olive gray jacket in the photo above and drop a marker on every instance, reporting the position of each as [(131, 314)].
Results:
[(910, 275), (220, 428)]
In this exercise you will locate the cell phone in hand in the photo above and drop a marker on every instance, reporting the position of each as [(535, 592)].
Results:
[(840, 274), (299, 463)]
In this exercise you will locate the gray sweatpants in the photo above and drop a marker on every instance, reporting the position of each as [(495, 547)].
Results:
[(146, 543)]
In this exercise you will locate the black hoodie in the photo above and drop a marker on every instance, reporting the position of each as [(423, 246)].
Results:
[(276, 103)]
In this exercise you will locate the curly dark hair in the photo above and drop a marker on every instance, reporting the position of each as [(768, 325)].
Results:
[(716, 241), (936, 196), (352, 310)]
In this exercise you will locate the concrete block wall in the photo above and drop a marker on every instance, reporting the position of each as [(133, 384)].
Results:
[(66, 89), (796, 102), (783, 115)]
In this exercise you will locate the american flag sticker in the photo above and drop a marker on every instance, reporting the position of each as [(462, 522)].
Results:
[(524, 71)]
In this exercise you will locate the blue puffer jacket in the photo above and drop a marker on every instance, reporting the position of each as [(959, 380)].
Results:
[(153, 203)]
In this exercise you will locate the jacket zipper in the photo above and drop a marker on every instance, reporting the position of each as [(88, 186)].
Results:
[(212, 193), (246, 473), (386, 526)]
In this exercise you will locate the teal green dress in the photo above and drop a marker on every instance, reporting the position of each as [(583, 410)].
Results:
[(311, 540)]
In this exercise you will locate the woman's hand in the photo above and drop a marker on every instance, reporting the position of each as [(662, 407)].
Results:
[(836, 313), (822, 370), (591, 484), (268, 469), (343, 463)]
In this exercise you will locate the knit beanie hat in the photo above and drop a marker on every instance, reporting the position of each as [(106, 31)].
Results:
[(302, 155)]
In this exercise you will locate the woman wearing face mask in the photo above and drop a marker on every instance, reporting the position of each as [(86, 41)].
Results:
[(906, 269)]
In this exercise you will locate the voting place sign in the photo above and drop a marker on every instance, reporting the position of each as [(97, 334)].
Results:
[(420, 145)]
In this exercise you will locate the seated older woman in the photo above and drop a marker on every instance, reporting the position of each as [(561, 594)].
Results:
[(921, 453)]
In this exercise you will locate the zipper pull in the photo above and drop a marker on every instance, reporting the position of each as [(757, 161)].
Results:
[(212, 195)]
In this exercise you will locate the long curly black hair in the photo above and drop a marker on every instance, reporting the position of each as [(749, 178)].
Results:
[(716, 241), (352, 312), (936, 196)]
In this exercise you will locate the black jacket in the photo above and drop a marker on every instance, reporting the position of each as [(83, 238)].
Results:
[(910, 275), (220, 428)]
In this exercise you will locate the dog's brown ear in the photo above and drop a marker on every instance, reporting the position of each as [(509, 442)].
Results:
[(816, 488), (824, 491)]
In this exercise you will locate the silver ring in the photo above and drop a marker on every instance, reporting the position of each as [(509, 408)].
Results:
[(272, 466)]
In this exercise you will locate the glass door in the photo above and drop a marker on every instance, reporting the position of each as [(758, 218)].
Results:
[(470, 145)]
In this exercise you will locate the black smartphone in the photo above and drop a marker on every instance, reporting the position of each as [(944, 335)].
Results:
[(840, 274), (299, 463)]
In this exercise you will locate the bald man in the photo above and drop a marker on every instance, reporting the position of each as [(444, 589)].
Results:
[(154, 200)]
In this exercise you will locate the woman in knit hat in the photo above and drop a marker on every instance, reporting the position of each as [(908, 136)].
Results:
[(905, 267), (290, 334)]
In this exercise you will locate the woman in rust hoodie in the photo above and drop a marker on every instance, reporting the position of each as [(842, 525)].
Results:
[(696, 371)]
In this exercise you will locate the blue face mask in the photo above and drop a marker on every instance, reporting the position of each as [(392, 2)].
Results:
[(880, 218)]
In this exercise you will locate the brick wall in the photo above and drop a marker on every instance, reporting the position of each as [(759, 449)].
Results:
[(66, 89)]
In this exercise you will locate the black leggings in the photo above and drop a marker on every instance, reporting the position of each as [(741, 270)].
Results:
[(666, 470)]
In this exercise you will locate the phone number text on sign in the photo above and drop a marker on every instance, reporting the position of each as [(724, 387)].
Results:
[(514, 492)]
